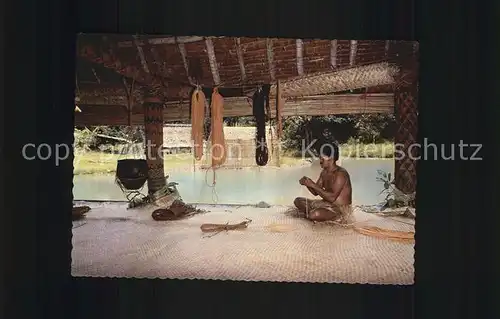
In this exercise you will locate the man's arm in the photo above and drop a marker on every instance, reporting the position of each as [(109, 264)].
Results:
[(318, 183), (338, 185)]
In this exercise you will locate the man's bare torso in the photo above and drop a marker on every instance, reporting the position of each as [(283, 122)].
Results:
[(327, 180)]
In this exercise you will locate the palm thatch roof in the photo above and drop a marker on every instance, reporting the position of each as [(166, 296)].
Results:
[(117, 68)]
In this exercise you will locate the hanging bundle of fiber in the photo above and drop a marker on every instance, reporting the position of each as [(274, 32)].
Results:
[(197, 122), (218, 141), (261, 151)]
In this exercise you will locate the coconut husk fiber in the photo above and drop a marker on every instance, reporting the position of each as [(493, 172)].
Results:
[(197, 122), (218, 141)]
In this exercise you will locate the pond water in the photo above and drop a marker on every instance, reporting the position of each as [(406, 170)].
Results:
[(277, 186)]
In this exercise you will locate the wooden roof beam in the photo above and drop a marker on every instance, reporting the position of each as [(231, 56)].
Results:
[(234, 107), (117, 94), (241, 62), (140, 52), (182, 50), (96, 77), (270, 59), (99, 56), (212, 61), (162, 40), (352, 54), (333, 54), (300, 53)]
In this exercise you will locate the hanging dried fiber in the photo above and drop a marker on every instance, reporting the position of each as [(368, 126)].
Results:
[(197, 122), (261, 151), (218, 140)]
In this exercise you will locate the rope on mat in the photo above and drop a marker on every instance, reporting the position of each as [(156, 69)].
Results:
[(373, 231), (259, 100)]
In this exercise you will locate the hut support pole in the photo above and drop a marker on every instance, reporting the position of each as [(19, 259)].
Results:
[(279, 118), (406, 103), (153, 127)]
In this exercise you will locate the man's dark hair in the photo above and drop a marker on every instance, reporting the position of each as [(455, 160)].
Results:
[(330, 150)]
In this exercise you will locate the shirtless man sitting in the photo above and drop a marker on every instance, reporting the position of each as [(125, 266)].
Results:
[(334, 188)]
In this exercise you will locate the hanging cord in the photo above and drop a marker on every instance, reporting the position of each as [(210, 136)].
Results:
[(217, 138), (269, 120), (215, 196), (261, 151)]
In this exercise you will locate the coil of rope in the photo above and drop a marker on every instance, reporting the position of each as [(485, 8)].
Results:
[(218, 142), (259, 100), (198, 101)]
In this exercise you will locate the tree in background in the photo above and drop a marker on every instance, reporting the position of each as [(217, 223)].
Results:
[(364, 128), (352, 128)]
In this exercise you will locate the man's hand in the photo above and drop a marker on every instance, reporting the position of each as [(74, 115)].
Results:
[(306, 181)]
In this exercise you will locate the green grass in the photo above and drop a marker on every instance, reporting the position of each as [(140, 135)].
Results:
[(105, 163)]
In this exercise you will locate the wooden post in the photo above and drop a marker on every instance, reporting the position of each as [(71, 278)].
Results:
[(153, 127), (406, 103), (279, 124)]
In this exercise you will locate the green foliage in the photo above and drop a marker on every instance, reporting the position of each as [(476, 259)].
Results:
[(240, 121), (94, 138), (394, 197), (364, 128)]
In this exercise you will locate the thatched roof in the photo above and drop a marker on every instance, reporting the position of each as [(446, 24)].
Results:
[(224, 61), (111, 66)]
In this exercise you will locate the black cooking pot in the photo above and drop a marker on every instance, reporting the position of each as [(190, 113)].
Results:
[(132, 173)]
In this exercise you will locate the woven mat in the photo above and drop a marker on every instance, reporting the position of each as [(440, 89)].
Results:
[(115, 242)]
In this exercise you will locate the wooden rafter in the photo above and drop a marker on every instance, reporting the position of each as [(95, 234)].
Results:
[(182, 50), (300, 53), (352, 54), (96, 77), (99, 56), (212, 60), (163, 40), (333, 54), (117, 94), (241, 62), (140, 52), (270, 58)]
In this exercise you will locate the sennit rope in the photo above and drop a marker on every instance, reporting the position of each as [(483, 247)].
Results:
[(218, 142), (197, 122), (261, 151)]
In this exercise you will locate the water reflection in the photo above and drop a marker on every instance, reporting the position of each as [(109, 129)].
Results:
[(275, 186)]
